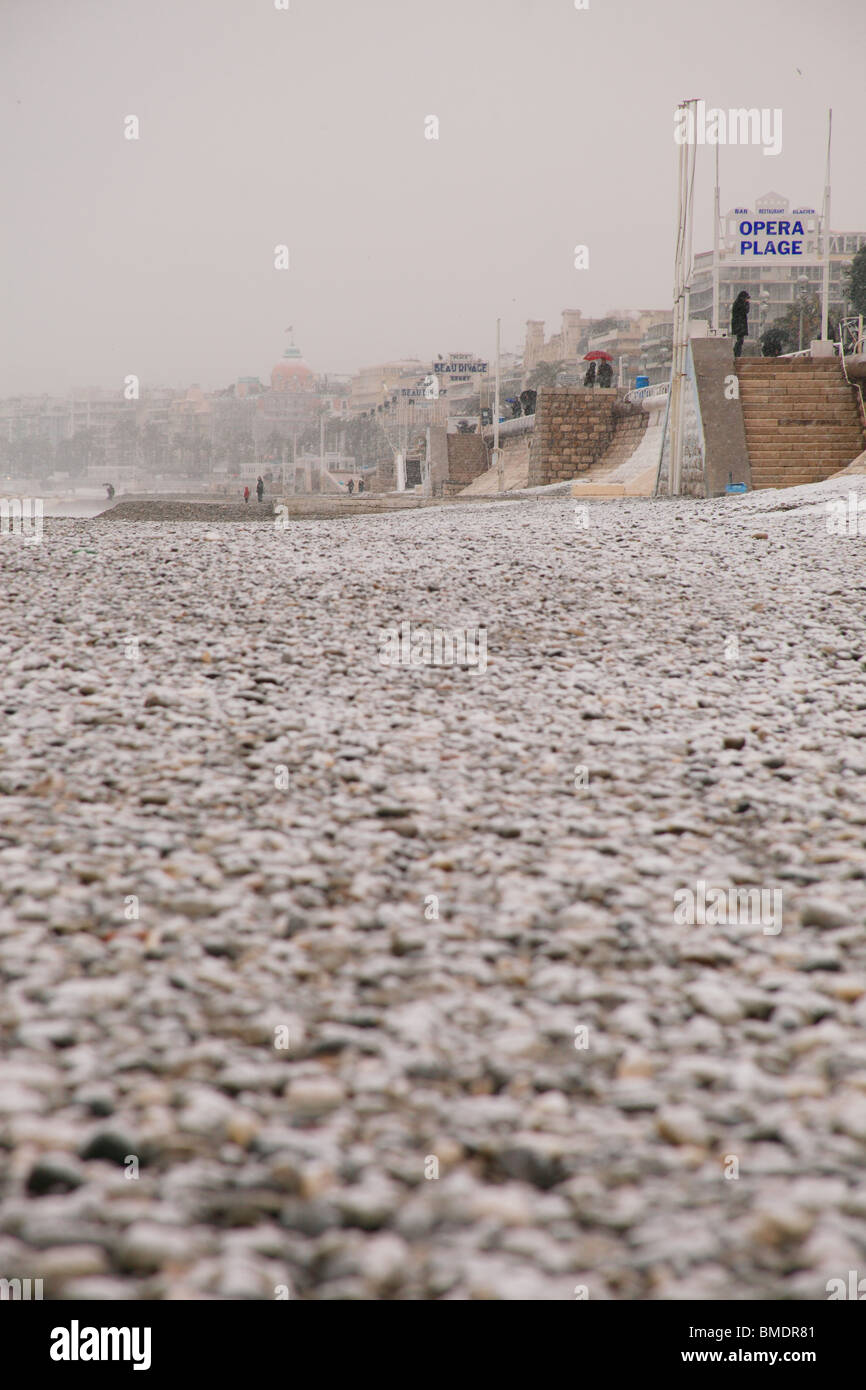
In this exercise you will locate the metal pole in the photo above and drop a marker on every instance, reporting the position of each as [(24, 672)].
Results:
[(682, 285), (716, 222), (675, 336), (825, 287), (680, 327), (496, 454), (322, 452)]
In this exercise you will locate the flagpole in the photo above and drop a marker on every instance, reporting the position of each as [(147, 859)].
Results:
[(716, 221), (825, 286), (496, 454)]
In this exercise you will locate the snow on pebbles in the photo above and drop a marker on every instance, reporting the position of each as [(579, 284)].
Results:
[(338, 979)]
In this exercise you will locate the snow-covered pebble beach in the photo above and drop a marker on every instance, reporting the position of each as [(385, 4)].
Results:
[(331, 979)]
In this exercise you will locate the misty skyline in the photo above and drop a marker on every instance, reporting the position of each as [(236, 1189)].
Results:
[(306, 127)]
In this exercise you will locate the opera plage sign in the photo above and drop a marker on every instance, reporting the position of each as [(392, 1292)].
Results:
[(771, 231)]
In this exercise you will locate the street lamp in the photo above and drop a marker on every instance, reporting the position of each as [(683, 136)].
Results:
[(802, 294), (763, 306)]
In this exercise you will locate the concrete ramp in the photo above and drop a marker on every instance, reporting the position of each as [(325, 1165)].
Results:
[(515, 472), (634, 475)]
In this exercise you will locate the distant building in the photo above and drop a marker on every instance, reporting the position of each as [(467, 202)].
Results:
[(562, 346), (624, 334), (292, 404), (656, 352), (372, 386), (625, 340)]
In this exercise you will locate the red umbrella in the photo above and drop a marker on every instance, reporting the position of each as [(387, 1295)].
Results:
[(598, 356)]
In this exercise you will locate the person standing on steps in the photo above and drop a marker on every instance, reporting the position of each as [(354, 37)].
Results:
[(260, 488), (740, 320), (246, 494)]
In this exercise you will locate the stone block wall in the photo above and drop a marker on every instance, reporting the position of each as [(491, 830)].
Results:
[(384, 479), (467, 457), (574, 426)]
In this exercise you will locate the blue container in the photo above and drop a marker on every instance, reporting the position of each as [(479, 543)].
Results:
[(640, 381), (736, 487)]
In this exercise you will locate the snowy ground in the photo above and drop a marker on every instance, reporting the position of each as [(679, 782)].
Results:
[(286, 932)]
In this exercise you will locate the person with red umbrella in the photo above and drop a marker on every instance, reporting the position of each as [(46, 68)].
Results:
[(599, 368)]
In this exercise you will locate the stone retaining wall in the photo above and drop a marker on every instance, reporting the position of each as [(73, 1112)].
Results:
[(574, 426)]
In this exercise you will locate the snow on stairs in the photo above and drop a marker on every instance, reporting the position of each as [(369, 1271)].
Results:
[(801, 418)]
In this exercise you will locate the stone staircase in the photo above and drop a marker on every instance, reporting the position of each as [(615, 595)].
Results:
[(801, 417)]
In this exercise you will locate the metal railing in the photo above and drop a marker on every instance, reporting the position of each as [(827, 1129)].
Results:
[(852, 329), (519, 424), (645, 393), (852, 337)]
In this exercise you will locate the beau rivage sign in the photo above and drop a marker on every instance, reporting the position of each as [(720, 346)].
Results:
[(460, 366), (770, 229)]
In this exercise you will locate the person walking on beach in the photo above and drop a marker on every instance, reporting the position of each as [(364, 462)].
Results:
[(246, 494), (109, 488), (740, 320), (260, 488), (360, 484), (351, 485)]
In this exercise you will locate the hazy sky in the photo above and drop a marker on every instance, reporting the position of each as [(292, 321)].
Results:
[(306, 127)]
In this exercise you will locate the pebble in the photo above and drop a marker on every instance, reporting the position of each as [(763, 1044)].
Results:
[(828, 915), (348, 964)]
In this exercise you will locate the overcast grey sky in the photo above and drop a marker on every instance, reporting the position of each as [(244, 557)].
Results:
[(306, 127)]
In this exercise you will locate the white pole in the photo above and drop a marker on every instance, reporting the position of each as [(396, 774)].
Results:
[(682, 279), (716, 227), (825, 287), (496, 454), (673, 466), (322, 453)]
